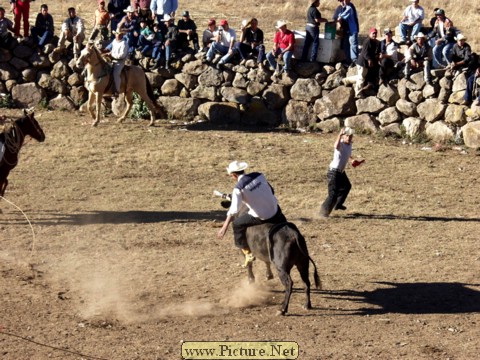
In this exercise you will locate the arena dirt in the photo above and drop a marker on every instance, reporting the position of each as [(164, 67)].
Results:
[(124, 262)]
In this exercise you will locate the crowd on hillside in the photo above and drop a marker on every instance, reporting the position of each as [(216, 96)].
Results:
[(138, 29)]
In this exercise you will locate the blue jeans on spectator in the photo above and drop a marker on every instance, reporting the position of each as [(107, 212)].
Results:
[(442, 55), (41, 37), (216, 47), (414, 30), (311, 38), (245, 50), (350, 47), (287, 57), (470, 86)]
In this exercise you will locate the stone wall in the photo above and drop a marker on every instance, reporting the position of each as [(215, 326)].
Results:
[(311, 98)]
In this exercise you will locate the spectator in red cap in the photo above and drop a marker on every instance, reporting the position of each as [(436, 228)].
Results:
[(208, 37), (224, 39), (367, 62)]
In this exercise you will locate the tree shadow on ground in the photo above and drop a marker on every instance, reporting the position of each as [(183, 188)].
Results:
[(406, 217), (122, 217), (413, 298)]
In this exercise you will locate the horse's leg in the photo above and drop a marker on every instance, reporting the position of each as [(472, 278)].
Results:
[(302, 267), (268, 272), (91, 104), (129, 101), (99, 96), (142, 91)]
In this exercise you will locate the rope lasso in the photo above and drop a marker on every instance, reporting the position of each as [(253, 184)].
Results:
[(29, 223)]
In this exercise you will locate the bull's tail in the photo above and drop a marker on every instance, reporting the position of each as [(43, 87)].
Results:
[(302, 246)]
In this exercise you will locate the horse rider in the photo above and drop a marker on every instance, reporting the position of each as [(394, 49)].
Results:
[(119, 53), (257, 194)]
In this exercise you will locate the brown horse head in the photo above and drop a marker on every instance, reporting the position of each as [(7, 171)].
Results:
[(30, 126)]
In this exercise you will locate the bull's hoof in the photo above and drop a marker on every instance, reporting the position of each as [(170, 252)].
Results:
[(251, 280), (280, 313), (95, 123), (308, 307), (120, 120), (151, 123)]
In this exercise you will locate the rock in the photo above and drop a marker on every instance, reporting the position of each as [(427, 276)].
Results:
[(443, 95), (78, 94), (75, 79), (42, 61), (288, 79), (298, 114), (456, 97), (363, 122), (53, 85), (60, 70), (439, 132), (180, 108), (23, 51), (431, 110), (220, 112), (29, 75), (187, 58), (276, 96), (389, 116), (5, 55), (28, 95), (413, 127), (61, 102), (235, 95), (402, 89), (416, 82), (171, 87), (334, 80), (211, 77), (460, 83), (371, 105), (406, 108), (329, 69), (205, 92), (388, 94), (254, 88), (416, 97), (8, 72), (429, 91), (392, 129), (446, 83), (257, 114), (307, 69), (155, 80), (471, 134), (339, 101), (329, 126), (194, 67), (250, 63), (10, 84), (455, 114), (240, 69), (187, 80), (239, 81), (19, 64), (306, 90)]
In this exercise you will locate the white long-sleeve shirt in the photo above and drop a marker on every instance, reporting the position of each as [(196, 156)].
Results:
[(119, 49), (75, 25), (255, 192)]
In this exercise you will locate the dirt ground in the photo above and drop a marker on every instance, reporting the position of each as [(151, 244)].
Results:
[(122, 260)]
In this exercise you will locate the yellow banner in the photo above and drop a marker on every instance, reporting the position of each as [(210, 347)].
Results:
[(244, 350)]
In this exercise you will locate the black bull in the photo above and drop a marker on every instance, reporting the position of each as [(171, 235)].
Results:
[(283, 246)]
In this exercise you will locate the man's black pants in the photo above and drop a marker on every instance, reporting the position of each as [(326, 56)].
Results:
[(338, 188), (241, 223)]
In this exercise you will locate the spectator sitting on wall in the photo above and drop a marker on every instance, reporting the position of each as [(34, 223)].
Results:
[(73, 30), (444, 34), (251, 41), (472, 89), (418, 57), (411, 22), (208, 36), (130, 27), (461, 55), (6, 29), (388, 57), (223, 43), (171, 39), (187, 31), (283, 47), (42, 32), (101, 20)]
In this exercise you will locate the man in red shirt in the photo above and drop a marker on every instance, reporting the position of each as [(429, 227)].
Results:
[(283, 44)]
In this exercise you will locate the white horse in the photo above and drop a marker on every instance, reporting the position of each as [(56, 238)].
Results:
[(99, 82)]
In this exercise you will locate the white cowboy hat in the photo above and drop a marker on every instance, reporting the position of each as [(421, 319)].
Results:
[(129, 9), (460, 37), (280, 23), (236, 166), (348, 131), (420, 35)]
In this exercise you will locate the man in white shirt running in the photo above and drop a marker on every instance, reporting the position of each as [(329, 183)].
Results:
[(254, 191), (338, 184)]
